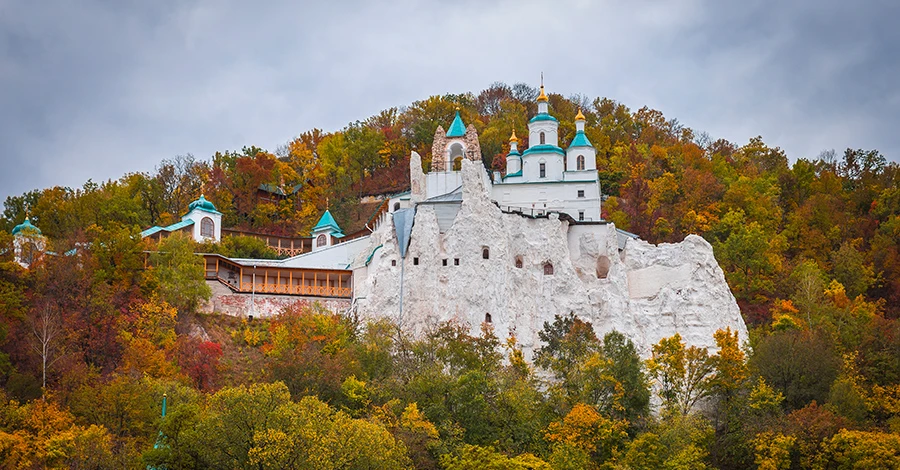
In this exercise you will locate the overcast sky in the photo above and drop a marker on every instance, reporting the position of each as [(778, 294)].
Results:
[(96, 89)]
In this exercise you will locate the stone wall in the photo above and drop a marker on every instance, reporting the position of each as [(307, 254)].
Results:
[(224, 301)]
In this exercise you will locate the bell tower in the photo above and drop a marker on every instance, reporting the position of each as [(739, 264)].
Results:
[(450, 148)]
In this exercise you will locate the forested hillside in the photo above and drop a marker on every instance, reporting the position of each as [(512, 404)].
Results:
[(95, 333)]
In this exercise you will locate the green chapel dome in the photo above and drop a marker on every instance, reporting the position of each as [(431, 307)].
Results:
[(202, 204), (26, 228)]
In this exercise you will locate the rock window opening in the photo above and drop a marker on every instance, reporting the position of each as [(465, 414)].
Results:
[(579, 162), (396, 206), (485, 253), (455, 261), (415, 261), (444, 261), (519, 262), (543, 139), (548, 269), (580, 193), (320, 240), (456, 155), (543, 170), (207, 228), (487, 318), (393, 262), (602, 267)]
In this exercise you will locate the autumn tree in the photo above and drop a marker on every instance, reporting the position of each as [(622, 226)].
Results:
[(179, 273), (682, 374)]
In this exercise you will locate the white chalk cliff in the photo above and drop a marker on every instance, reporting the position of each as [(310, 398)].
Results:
[(644, 291)]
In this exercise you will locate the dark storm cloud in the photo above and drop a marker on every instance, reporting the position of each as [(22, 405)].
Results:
[(101, 88)]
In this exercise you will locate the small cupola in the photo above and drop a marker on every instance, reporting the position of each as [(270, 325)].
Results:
[(543, 102), (202, 204), (28, 243), (514, 158), (581, 154), (203, 221), (580, 139), (26, 229), (326, 231)]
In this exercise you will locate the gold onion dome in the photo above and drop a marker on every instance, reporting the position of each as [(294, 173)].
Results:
[(542, 97), (513, 138), (579, 116)]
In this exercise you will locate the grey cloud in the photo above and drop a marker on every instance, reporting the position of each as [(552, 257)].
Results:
[(99, 89)]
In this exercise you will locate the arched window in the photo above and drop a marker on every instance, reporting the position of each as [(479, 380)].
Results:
[(487, 318), (457, 152), (579, 162), (485, 253), (543, 170), (543, 139), (548, 269), (519, 262), (321, 240), (457, 164), (207, 228), (396, 206)]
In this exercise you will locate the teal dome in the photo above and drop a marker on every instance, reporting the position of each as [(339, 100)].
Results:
[(27, 228), (202, 204)]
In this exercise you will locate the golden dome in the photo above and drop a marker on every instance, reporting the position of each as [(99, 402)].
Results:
[(579, 116), (542, 97), (513, 138)]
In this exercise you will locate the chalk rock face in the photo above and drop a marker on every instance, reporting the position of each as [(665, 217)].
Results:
[(519, 272), (416, 178)]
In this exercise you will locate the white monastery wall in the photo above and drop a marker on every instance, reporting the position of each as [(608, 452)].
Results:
[(649, 292)]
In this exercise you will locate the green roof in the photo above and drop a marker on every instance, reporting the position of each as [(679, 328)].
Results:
[(543, 117), (171, 228), (580, 140), (27, 228), (327, 222), (272, 189), (203, 205), (545, 148), (457, 128)]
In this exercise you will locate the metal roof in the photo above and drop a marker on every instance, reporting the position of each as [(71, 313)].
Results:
[(403, 224)]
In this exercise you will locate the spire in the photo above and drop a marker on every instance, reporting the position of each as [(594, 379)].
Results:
[(513, 144), (457, 128), (542, 101)]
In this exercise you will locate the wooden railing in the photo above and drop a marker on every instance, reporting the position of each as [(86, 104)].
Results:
[(312, 291), (338, 282)]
